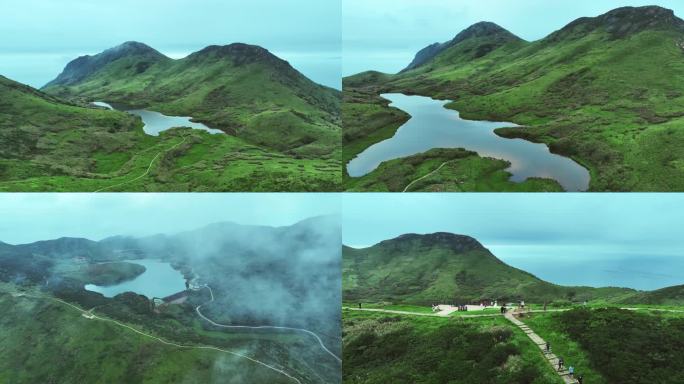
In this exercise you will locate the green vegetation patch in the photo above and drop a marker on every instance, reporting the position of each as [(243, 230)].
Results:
[(612, 345), (381, 348)]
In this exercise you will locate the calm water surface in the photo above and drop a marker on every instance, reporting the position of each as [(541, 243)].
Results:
[(433, 126), (156, 122), (158, 280)]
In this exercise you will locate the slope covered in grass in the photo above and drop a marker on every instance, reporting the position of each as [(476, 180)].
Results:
[(591, 91), (46, 341)]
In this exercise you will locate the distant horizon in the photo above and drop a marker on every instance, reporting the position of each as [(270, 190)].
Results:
[(386, 37)]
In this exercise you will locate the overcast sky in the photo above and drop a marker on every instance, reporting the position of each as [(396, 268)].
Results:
[(615, 220), (305, 32), (385, 34), (28, 217)]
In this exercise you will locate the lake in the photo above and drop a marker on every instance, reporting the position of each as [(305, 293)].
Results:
[(156, 122), (433, 126), (158, 280)]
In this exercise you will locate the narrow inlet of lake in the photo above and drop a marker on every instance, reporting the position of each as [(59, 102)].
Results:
[(433, 126)]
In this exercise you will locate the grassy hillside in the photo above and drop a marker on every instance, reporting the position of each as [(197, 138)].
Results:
[(53, 145), (403, 349), (46, 341), (443, 267), (616, 346), (241, 89), (664, 296), (590, 91)]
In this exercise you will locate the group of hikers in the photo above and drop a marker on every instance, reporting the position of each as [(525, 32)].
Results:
[(561, 365)]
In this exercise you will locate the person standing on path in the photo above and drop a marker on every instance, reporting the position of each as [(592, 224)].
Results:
[(560, 363), (571, 369), (548, 347), (359, 305)]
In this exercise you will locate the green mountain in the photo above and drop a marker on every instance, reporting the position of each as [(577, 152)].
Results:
[(444, 267), (591, 91), (241, 89)]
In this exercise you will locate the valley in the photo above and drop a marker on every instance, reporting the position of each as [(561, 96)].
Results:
[(588, 91), (281, 129)]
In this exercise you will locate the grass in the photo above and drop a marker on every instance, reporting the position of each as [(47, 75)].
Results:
[(546, 326)]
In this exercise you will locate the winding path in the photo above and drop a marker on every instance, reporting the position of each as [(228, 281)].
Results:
[(421, 178), (146, 172), (211, 292), (89, 315)]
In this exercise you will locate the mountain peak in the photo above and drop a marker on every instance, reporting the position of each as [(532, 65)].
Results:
[(622, 22), (133, 47), (482, 29), (83, 66), (492, 36)]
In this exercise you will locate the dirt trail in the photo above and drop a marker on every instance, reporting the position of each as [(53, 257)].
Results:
[(421, 178), (146, 172), (551, 358)]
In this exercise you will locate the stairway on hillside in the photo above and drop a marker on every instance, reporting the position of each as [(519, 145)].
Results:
[(551, 358)]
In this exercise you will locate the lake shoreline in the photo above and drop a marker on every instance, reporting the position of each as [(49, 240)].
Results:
[(574, 175)]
